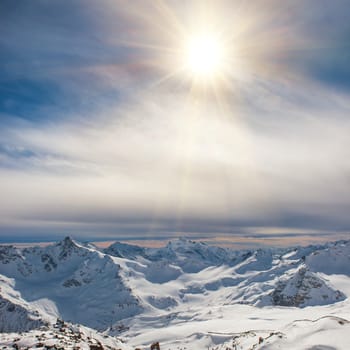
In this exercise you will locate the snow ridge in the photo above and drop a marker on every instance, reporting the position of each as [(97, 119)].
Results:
[(116, 288)]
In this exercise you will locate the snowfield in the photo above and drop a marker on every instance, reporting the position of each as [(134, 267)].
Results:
[(186, 295)]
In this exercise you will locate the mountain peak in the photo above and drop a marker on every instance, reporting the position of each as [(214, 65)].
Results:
[(124, 250), (180, 242), (67, 246), (67, 242)]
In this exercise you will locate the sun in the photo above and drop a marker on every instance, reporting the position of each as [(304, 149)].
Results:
[(204, 56)]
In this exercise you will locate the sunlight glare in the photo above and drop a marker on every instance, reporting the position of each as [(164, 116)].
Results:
[(204, 56)]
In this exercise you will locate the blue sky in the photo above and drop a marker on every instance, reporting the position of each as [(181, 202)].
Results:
[(103, 135)]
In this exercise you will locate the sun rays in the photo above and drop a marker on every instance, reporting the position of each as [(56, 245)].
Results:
[(204, 56)]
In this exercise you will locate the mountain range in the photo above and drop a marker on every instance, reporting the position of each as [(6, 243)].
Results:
[(122, 289)]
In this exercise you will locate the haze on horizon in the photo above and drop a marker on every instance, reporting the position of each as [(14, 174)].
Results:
[(158, 119)]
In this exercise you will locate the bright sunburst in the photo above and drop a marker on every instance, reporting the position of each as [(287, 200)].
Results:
[(204, 51), (204, 56)]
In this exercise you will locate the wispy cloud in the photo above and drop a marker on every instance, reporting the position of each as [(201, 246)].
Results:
[(159, 162), (90, 143)]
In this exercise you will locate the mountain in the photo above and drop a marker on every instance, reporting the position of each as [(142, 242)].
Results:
[(331, 259), (70, 281), (15, 313), (125, 289), (122, 250), (304, 288)]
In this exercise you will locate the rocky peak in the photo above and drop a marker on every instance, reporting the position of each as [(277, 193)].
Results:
[(67, 242), (123, 250), (67, 246), (304, 288)]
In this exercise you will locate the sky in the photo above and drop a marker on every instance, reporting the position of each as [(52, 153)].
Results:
[(106, 133)]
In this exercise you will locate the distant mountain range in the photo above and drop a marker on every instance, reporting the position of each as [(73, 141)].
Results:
[(105, 288)]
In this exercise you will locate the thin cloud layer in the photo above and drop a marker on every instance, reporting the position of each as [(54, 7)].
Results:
[(94, 141)]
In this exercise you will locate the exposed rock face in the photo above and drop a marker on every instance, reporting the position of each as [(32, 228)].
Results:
[(16, 318), (49, 262), (68, 247), (122, 250), (71, 283), (155, 346), (8, 253), (100, 287), (84, 285), (61, 336), (304, 288)]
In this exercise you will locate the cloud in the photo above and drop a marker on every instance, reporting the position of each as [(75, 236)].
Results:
[(319, 49), (91, 143), (170, 165), (75, 56)]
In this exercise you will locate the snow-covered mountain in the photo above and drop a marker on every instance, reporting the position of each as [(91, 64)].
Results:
[(284, 277), (70, 281), (15, 313), (123, 287)]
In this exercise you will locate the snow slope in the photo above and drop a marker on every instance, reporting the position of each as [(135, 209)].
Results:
[(184, 294), (15, 313), (61, 335), (84, 285)]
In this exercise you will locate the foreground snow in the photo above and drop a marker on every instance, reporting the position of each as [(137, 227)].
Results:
[(246, 327), (185, 295), (61, 335)]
